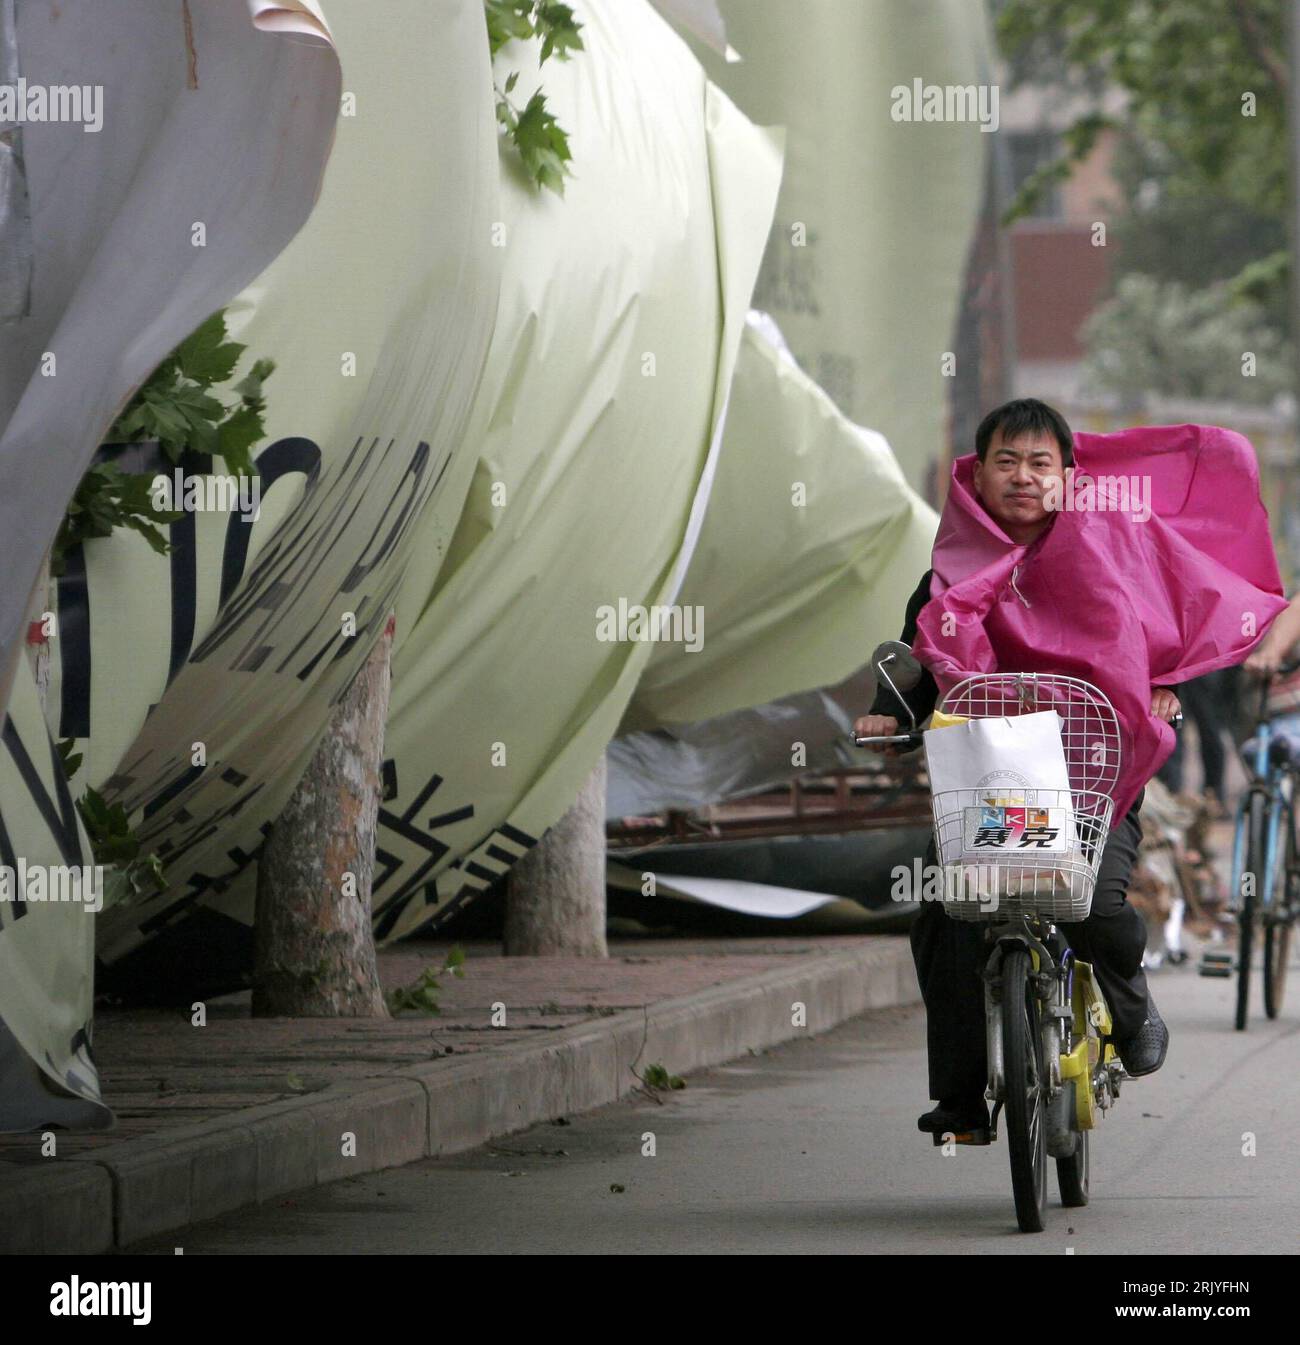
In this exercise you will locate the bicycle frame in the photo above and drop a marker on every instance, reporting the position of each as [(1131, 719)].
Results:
[(1064, 1014), (1268, 778)]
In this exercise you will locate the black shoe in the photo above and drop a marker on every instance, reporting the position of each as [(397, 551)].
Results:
[(959, 1117), (1144, 1052)]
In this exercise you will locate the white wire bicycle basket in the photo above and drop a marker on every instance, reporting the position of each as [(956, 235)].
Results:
[(1015, 851)]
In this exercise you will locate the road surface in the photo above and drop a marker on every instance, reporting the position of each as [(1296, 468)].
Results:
[(812, 1148)]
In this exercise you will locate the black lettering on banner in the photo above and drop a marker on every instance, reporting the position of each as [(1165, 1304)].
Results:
[(468, 890), (201, 883), (282, 571), (411, 510), (199, 828), (330, 606), (386, 913), (80, 1042), (280, 459), (59, 813), (8, 858), (283, 458), (74, 596), (183, 557), (368, 633), (74, 646)]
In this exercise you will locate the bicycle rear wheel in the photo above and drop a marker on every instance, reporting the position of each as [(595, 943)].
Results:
[(1255, 836), (1277, 950), (1072, 1173), (1277, 928), (1026, 1094)]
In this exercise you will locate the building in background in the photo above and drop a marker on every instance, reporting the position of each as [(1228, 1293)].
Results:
[(1061, 265)]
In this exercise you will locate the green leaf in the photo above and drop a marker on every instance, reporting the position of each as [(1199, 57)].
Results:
[(108, 827), (107, 498), (200, 415), (174, 407), (151, 870), (205, 355), (128, 427), (69, 756), (543, 144), (657, 1077), (163, 421), (135, 494), (561, 32), (151, 534), (249, 387), (420, 995), (507, 19), (236, 437)]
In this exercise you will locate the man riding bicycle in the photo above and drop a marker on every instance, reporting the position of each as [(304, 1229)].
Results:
[(1005, 594)]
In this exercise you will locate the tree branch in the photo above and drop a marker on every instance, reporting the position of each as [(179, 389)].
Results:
[(1256, 41)]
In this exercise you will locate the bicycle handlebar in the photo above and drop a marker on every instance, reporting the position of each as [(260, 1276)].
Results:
[(1266, 683), (911, 739)]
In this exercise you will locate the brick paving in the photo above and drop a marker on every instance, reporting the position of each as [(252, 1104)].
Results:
[(159, 1073)]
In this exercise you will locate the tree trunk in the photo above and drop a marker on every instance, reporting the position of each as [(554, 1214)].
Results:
[(314, 947), (555, 906)]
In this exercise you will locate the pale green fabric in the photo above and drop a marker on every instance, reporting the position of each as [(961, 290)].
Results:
[(812, 544), (869, 304)]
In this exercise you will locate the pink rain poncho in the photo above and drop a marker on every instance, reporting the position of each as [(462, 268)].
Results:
[(1182, 581)]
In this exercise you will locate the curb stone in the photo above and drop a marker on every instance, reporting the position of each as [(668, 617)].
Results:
[(148, 1186)]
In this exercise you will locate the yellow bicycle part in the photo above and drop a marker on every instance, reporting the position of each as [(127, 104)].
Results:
[(939, 720), (1091, 1023)]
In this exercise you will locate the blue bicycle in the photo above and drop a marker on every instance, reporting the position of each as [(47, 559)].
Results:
[(1265, 865)]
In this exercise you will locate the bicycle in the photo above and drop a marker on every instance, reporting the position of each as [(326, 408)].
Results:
[(1052, 1066), (1265, 815)]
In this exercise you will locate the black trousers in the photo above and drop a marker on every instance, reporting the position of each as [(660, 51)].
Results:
[(950, 956), (1208, 703)]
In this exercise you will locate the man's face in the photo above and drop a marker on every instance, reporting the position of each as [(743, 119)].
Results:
[(1013, 477)]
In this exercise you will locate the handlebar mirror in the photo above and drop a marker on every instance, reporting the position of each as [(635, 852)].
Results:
[(900, 664)]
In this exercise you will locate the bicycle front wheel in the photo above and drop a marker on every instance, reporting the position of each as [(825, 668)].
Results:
[(1026, 1091), (1255, 836)]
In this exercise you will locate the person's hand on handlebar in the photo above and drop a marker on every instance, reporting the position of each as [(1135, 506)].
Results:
[(877, 726), (1270, 655), (1264, 663), (1164, 704)]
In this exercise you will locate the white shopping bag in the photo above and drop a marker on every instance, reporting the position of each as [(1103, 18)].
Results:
[(1007, 776)]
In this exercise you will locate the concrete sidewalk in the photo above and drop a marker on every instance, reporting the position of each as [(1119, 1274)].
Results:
[(243, 1110)]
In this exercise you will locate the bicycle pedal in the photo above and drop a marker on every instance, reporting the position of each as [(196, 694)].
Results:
[(982, 1136), (1217, 965)]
